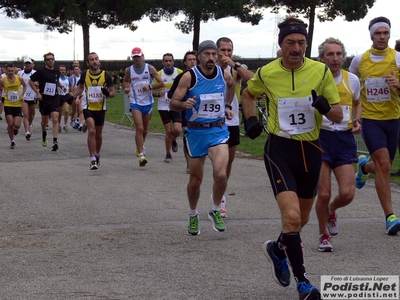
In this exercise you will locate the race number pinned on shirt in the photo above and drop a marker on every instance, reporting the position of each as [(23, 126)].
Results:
[(139, 87), (377, 90), (49, 89), (296, 115), (13, 96), (211, 105), (95, 94), (28, 95), (332, 126)]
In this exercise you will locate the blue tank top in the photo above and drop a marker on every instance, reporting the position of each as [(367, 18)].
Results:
[(210, 98)]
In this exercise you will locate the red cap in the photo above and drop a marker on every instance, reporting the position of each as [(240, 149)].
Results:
[(137, 51)]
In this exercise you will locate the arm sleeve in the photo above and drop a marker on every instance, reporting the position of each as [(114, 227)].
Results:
[(35, 76), (355, 62), (109, 80), (256, 85)]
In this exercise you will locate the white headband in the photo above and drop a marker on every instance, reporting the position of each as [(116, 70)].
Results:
[(377, 25)]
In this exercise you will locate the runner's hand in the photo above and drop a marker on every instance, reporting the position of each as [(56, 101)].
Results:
[(254, 128), (320, 103)]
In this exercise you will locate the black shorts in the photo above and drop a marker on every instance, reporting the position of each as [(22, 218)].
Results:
[(234, 136), (183, 118), (13, 111), (66, 98), (293, 165), (30, 102), (170, 115), (98, 116), (47, 107)]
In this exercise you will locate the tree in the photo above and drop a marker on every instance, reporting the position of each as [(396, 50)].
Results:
[(324, 10), (197, 11), (61, 15)]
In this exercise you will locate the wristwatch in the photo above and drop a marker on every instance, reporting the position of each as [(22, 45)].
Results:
[(237, 65)]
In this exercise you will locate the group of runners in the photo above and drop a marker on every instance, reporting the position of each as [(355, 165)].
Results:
[(314, 110)]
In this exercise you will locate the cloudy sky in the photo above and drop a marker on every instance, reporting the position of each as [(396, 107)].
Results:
[(20, 38)]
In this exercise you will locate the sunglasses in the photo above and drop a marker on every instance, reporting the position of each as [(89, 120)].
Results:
[(48, 59)]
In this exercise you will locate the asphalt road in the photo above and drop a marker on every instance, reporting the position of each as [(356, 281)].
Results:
[(120, 232)]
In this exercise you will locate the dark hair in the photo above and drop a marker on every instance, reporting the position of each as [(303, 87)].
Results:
[(397, 46), (168, 54), (291, 20), (379, 19), (194, 52), (87, 57), (47, 54), (225, 40), (10, 65)]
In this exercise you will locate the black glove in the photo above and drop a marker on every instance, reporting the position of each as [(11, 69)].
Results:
[(254, 128), (105, 91), (320, 103)]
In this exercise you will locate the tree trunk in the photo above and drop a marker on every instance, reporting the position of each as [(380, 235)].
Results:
[(310, 31), (86, 40), (196, 32)]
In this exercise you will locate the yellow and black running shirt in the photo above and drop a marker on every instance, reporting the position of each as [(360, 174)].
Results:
[(12, 92), (95, 100)]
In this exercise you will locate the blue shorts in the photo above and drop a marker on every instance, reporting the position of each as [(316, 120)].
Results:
[(339, 147), (378, 134), (144, 109), (197, 143)]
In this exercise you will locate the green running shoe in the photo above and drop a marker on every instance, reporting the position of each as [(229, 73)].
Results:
[(193, 228), (44, 141), (392, 225), (218, 223)]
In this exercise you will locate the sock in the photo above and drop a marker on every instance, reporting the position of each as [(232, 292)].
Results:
[(44, 134), (96, 154), (331, 213), (294, 252), (363, 169), (193, 212), (215, 207), (54, 140), (279, 248), (93, 158)]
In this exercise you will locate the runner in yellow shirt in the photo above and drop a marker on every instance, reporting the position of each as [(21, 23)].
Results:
[(13, 99)]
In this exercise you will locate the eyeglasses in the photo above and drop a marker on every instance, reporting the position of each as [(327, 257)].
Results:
[(48, 59)]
